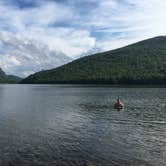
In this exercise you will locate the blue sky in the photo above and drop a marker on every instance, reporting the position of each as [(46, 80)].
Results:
[(67, 29)]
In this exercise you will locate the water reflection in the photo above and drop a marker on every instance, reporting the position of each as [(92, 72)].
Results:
[(61, 125)]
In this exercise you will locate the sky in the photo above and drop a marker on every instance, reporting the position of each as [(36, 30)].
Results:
[(42, 34)]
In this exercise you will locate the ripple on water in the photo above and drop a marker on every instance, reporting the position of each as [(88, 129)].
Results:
[(77, 126)]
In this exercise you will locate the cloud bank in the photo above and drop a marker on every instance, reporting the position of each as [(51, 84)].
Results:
[(39, 34)]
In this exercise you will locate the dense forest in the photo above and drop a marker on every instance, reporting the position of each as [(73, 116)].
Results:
[(140, 63), (10, 79)]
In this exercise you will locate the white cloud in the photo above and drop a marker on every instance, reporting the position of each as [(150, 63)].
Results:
[(70, 41), (32, 43), (120, 23), (24, 57), (36, 24)]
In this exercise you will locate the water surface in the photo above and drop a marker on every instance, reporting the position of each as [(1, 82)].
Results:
[(75, 125)]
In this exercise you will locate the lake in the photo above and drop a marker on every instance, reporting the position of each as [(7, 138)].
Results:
[(76, 125)]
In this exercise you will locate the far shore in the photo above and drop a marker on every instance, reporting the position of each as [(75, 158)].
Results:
[(94, 85)]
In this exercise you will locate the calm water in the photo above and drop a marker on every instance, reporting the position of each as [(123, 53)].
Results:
[(77, 126)]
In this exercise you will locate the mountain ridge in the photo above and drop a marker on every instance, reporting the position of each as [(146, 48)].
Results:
[(143, 62), (8, 78)]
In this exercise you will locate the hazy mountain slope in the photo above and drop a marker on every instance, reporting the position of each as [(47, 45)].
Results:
[(139, 63), (8, 78)]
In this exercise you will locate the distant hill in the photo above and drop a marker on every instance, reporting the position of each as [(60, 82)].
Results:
[(2, 73), (140, 63), (8, 78)]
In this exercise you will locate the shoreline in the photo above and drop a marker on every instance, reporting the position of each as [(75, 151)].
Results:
[(95, 85)]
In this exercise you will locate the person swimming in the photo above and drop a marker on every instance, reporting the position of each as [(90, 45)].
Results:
[(119, 104)]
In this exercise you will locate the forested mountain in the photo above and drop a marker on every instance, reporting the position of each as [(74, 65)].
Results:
[(140, 63), (8, 78)]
